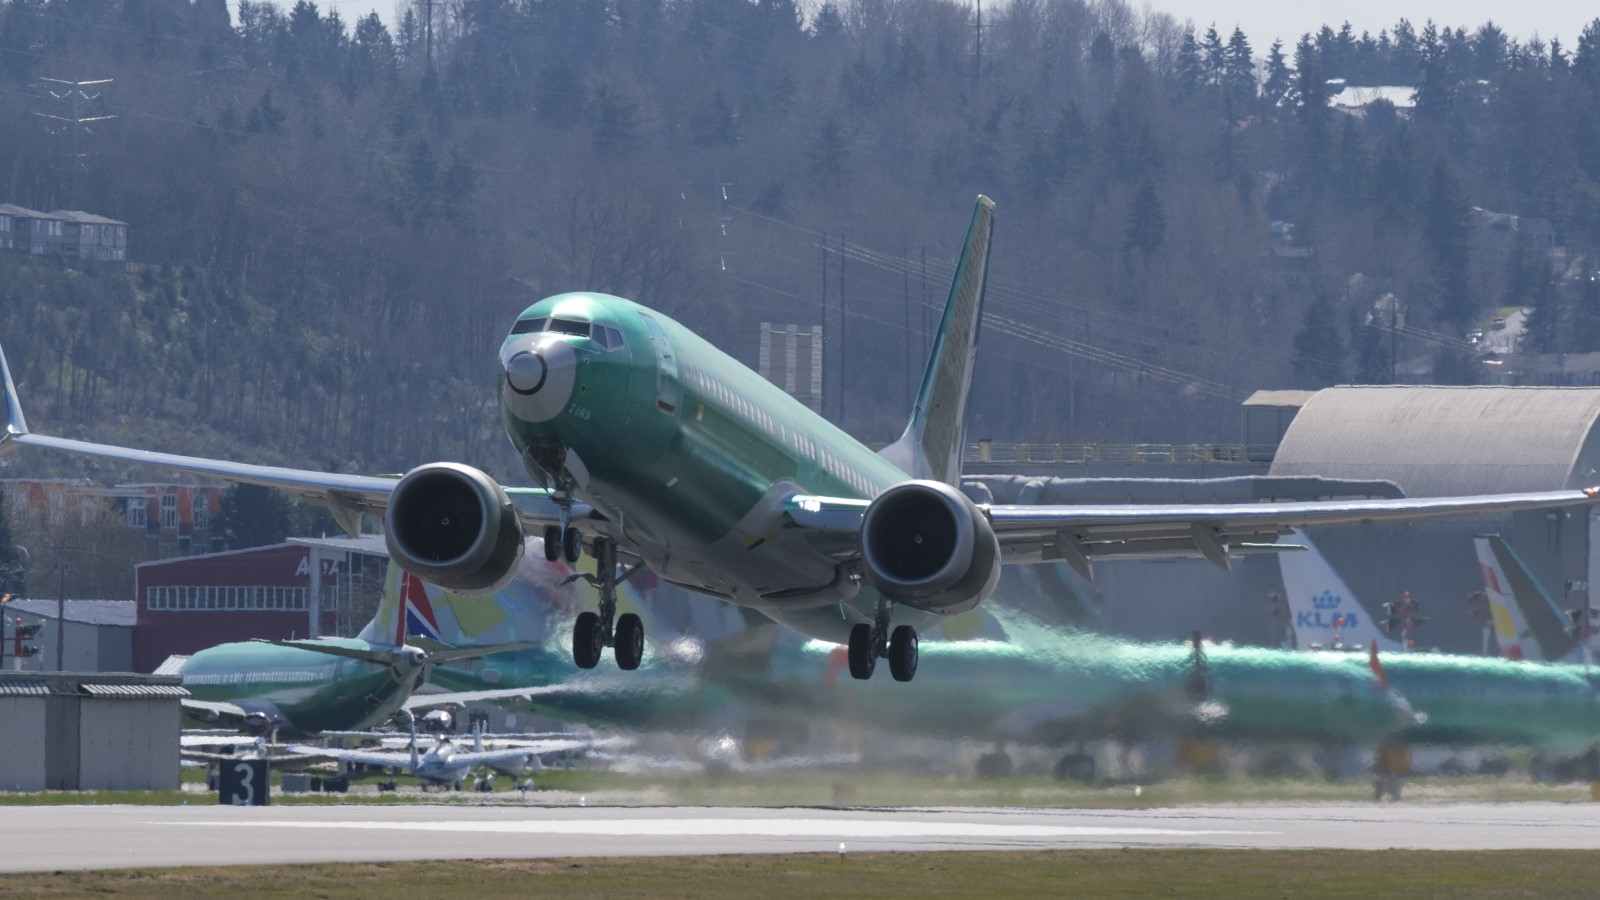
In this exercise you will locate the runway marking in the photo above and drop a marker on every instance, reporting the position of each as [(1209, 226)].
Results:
[(844, 828)]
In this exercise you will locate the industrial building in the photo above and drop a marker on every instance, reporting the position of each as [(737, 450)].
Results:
[(99, 635), (1423, 440), (77, 732), (190, 603)]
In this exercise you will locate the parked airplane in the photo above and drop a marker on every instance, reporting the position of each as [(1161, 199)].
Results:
[(447, 765), (1325, 613), (1527, 623), (1016, 680), (653, 447), (1463, 700), (304, 687)]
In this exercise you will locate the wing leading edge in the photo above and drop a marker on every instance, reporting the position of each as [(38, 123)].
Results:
[(1078, 535), (347, 497)]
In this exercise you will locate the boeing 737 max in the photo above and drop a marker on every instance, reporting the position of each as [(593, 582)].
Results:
[(652, 447)]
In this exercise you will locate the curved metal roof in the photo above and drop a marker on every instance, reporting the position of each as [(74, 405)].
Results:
[(1440, 441)]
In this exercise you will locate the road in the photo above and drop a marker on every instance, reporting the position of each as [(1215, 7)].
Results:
[(83, 837)]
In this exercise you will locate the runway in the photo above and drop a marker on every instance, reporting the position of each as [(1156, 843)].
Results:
[(45, 838)]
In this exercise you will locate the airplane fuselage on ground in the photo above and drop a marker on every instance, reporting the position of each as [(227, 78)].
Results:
[(298, 691)]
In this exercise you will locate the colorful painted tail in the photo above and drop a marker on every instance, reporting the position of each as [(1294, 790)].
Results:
[(1527, 624), (1324, 610)]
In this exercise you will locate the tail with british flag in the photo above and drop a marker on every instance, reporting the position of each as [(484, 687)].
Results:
[(405, 614)]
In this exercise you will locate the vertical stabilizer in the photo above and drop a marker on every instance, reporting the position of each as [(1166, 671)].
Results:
[(1325, 612), (932, 442), (388, 625), (1527, 623)]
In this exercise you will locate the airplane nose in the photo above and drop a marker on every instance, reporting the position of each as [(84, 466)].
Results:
[(527, 372), (541, 375)]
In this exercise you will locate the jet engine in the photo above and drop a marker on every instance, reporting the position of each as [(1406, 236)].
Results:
[(256, 724), (454, 526), (924, 544)]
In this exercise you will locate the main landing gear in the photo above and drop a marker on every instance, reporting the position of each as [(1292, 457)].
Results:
[(562, 542), (593, 632), (868, 642)]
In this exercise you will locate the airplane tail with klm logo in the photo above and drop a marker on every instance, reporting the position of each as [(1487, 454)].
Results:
[(1324, 611)]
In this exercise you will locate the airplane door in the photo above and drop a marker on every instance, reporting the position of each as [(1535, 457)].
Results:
[(667, 388)]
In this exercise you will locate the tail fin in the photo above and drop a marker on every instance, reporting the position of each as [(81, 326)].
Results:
[(932, 443), (1323, 608), (1527, 623), (388, 625)]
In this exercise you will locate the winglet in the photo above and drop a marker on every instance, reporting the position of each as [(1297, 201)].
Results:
[(15, 423)]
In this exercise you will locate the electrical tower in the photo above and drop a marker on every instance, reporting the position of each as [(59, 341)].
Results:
[(76, 121)]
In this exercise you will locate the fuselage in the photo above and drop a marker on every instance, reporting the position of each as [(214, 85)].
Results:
[(1483, 700), (302, 691), (688, 455)]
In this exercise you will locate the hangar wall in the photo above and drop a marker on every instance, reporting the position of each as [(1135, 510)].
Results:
[(89, 732)]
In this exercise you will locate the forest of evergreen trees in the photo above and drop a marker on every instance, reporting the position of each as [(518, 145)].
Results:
[(337, 221)]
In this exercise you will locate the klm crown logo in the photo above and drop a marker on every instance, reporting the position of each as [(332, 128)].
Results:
[(1327, 600)]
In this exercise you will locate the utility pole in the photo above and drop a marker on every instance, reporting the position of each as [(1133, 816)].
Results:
[(427, 29), (76, 121), (827, 331), (977, 68), (844, 331), (720, 190)]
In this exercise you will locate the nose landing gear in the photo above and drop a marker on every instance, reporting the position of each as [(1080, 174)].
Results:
[(593, 632), (868, 642)]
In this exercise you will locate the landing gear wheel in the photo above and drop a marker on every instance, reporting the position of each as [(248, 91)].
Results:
[(587, 640), (552, 542), (995, 765), (863, 652), (571, 545), (627, 643), (1077, 767), (903, 653)]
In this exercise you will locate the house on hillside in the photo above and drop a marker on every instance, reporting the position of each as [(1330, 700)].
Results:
[(88, 236)]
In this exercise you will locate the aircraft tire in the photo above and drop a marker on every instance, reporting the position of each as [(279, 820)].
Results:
[(586, 642), (552, 542), (996, 764), (572, 545), (628, 643), (863, 659), (903, 653), (1077, 767)]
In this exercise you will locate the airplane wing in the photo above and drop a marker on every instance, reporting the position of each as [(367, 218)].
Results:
[(389, 759), (347, 497), (1079, 534), (531, 748), (214, 710), (211, 739), (459, 699)]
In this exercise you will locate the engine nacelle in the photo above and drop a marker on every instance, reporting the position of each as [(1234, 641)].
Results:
[(926, 545), (454, 526)]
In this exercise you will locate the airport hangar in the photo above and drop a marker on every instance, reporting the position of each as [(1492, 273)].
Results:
[(1427, 440)]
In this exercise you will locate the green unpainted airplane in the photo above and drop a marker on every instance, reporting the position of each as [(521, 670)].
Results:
[(1022, 677), (654, 448), (306, 687)]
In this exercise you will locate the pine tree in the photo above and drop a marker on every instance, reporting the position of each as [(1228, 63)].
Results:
[(1319, 351), (1276, 89), (1239, 69), (1189, 70), (1147, 226)]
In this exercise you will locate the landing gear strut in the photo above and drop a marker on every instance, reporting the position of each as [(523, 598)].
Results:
[(868, 642), (593, 632)]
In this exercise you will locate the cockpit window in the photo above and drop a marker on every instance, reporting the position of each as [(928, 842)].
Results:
[(608, 337), (569, 326), (528, 326)]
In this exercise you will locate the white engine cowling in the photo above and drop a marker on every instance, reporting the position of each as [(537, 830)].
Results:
[(454, 526), (924, 544)]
